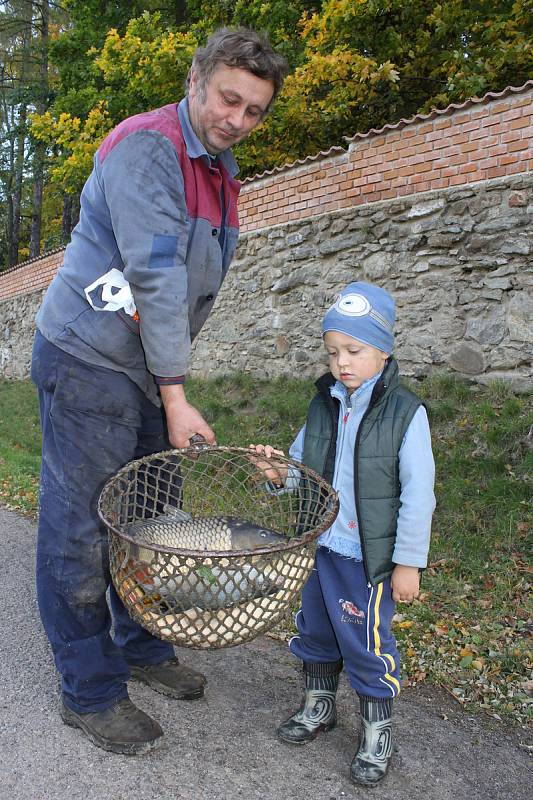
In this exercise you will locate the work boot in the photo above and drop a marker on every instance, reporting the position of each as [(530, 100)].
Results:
[(171, 678), (371, 761), (123, 728), (317, 711)]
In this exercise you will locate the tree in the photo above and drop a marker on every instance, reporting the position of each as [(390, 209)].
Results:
[(141, 67), (24, 29), (356, 64), (41, 103), (16, 35), (144, 68), (486, 45), (369, 62)]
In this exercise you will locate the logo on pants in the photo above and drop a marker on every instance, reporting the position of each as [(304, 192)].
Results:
[(351, 612)]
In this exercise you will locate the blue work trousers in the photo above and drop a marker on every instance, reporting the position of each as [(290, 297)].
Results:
[(342, 616), (94, 420)]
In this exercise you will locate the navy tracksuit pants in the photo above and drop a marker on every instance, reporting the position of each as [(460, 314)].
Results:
[(94, 420), (342, 616)]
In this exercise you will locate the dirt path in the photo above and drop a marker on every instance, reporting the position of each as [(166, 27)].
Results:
[(223, 747)]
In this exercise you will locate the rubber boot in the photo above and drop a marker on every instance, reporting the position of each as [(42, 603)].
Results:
[(371, 761), (317, 711)]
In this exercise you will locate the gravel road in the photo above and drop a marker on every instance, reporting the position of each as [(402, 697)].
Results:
[(223, 747)]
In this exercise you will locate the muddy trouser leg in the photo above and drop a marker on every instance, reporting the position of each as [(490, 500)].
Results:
[(139, 646), (91, 420)]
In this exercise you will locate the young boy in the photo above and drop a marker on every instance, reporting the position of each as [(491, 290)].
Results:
[(369, 437)]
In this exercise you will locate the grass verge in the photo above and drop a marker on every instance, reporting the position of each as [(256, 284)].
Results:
[(20, 445), (470, 633)]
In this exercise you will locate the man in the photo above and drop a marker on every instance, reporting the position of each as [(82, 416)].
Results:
[(157, 231)]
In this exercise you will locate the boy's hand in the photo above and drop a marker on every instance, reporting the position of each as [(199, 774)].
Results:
[(273, 471), (405, 583)]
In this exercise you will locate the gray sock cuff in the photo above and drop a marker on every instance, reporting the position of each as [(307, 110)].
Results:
[(375, 709), (323, 670), (325, 683)]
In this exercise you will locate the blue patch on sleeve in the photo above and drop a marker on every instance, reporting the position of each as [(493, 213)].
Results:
[(164, 249)]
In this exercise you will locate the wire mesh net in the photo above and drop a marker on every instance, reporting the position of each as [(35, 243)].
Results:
[(204, 553)]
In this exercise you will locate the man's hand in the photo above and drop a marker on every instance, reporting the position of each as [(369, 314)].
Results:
[(405, 583), (183, 420)]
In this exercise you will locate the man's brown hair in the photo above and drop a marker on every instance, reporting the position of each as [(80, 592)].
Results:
[(243, 48)]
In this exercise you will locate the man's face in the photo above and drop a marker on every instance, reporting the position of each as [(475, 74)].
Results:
[(232, 103)]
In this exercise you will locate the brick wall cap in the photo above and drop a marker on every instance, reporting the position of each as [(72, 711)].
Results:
[(440, 112), (334, 150), (15, 267)]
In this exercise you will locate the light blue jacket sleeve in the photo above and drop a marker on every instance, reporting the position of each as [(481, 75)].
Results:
[(292, 480), (296, 451), (417, 498)]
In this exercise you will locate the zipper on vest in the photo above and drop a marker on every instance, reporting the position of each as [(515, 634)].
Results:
[(332, 449), (338, 453), (373, 399)]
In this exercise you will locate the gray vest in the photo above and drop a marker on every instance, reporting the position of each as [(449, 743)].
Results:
[(376, 470)]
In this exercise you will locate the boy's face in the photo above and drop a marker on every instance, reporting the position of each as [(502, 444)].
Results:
[(350, 361)]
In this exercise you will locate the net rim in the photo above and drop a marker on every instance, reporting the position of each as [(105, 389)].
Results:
[(193, 452)]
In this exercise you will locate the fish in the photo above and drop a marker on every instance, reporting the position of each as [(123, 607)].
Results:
[(206, 586), (177, 528)]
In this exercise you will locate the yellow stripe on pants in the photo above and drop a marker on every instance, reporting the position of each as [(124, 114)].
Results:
[(377, 641)]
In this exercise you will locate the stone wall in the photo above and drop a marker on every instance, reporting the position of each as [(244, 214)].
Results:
[(21, 291), (436, 208), (17, 329), (458, 262)]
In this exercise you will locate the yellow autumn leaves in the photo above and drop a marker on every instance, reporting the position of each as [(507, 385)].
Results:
[(146, 67), (77, 140)]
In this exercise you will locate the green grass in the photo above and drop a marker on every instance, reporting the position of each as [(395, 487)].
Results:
[(469, 632), (20, 445), (243, 410)]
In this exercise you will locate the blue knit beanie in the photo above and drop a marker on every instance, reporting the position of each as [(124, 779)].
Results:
[(366, 313)]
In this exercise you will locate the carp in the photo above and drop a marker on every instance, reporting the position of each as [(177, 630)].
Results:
[(206, 584), (178, 529)]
